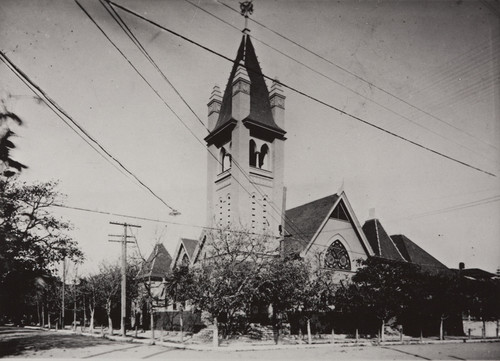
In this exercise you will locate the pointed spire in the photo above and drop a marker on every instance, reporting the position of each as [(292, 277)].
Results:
[(246, 66)]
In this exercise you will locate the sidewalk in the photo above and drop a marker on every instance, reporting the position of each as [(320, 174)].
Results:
[(235, 345)]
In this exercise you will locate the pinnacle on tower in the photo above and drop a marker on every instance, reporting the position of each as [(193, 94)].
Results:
[(214, 105)]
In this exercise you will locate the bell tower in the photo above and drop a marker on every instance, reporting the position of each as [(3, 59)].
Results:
[(246, 144)]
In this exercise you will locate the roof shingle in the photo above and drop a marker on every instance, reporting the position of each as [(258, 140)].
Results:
[(189, 246), (413, 253), (303, 222)]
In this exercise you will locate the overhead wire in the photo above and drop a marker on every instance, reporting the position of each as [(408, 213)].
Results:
[(23, 77), (205, 227), (40, 92), (175, 89), (156, 220), (344, 86), (123, 25), (461, 206), (306, 95), (134, 39), (357, 76), (150, 85)]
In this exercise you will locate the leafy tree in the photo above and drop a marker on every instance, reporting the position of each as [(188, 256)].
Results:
[(32, 239), (282, 285), (108, 282), (317, 295), (382, 288), (445, 300), (483, 300), (179, 288), (8, 166), (90, 292)]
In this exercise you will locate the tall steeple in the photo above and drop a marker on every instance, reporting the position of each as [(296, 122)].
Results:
[(246, 142)]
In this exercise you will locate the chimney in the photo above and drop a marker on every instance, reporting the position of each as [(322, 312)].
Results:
[(214, 105), (241, 94), (461, 266), (371, 213), (277, 100)]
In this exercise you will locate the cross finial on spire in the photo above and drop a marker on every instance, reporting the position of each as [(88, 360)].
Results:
[(246, 8)]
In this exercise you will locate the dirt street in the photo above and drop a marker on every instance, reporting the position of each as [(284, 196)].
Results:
[(25, 343)]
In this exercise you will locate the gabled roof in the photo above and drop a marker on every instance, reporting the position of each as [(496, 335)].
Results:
[(302, 222), (382, 244), (413, 253), (189, 246), (158, 263), (305, 222), (260, 106)]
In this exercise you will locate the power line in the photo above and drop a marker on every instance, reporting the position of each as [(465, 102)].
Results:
[(114, 214), (47, 99), (460, 206), (358, 77), (137, 43), (129, 33), (342, 85), (454, 208), (290, 224), (177, 92), (305, 94)]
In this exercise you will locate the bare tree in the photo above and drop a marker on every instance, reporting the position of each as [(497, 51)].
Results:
[(229, 273), (108, 283)]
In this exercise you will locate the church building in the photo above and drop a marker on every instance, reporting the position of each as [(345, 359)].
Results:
[(245, 183)]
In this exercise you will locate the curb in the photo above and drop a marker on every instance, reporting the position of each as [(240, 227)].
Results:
[(229, 348)]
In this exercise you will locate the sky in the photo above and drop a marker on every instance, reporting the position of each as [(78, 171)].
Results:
[(428, 71)]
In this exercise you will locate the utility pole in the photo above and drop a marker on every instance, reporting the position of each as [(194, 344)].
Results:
[(63, 287), (124, 242), (282, 226)]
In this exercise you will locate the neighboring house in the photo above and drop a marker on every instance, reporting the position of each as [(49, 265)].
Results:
[(151, 279)]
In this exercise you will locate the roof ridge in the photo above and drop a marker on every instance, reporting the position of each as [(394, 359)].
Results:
[(397, 249), (315, 200), (378, 237)]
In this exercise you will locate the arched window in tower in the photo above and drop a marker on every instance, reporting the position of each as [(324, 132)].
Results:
[(252, 151), (336, 257), (224, 159), (264, 157), (222, 155)]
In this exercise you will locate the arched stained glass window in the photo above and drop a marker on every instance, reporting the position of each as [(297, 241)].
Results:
[(337, 257)]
